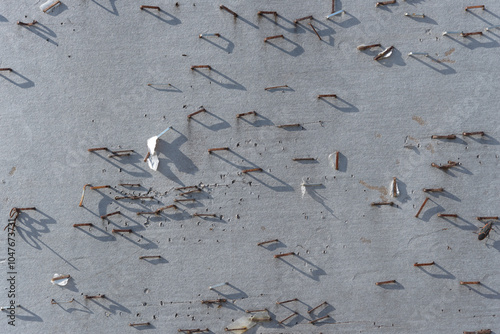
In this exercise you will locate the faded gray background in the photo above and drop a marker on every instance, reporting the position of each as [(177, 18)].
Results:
[(80, 81)]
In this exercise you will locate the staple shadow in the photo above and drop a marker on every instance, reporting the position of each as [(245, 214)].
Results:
[(315, 273), (395, 59), (57, 10), (19, 80), (340, 104), (474, 43), (346, 23), (442, 274), (445, 70), (114, 11), (172, 21), (236, 293), (296, 51), (292, 27), (485, 291), (84, 309), (113, 308), (425, 19), (172, 88), (229, 45), (229, 83), (32, 317), (259, 121)]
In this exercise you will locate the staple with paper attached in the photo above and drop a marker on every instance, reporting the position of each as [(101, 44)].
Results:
[(414, 15), (208, 35), (413, 54), (335, 14)]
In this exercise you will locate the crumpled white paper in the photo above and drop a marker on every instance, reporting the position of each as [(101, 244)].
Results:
[(153, 160)]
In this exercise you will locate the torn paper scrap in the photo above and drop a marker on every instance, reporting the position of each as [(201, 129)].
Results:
[(395, 188), (153, 160), (241, 325)]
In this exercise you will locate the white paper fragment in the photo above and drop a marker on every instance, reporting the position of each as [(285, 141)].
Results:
[(387, 55), (394, 188), (261, 316), (241, 325), (61, 282), (49, 5), (332, 158), (153, 160)]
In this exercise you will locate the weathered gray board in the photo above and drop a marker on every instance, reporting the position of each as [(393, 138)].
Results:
[(80, 81)]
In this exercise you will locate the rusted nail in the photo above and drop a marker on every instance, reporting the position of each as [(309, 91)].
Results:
[(291, 315), (263, 12), (209, 35), (128, 230), (246, 113), (204, 215), (383, 3), (99, 187), (466, 283), (465, 34), (267, 242), (210, 150), (83, 194), (333, 6), (60, 277), (288, 125), (252, 170), (190, 192), (140, 324), (472, 7), (416, 264), (150, 257), (150, 7), (54, 302), (147, 156), (171, 206), (487, 218), (383, 53), (386, 282), (277, 256), (317, 307), (444, 137), (110, 214), (449, 165), (187, 187), (433, 190), (303, 159), (273, 37), (27, 24), (198, 330), (201, 66), (287, 301), (83, 224), (196, 112), (214, 301), (394, 187), (454, 215), (6, 69), (319, 319), (422, 207), (129, 184), (310, 17), (94, 297), (382, 203), (365, 47), (276, 87), (185, 200), (133, 197), (157, 212), (57, 3), (314, 29), (481, 133), (18, 210), (228, 10), (337, 154), (235, 329), (255, 311), (327, 95), (98, 149)]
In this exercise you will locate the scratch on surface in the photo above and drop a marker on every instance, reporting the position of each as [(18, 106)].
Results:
[(449, 52), (383, 190), (424, 235)]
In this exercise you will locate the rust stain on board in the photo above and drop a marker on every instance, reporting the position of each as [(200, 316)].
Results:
[(383, 190), (419, 120), (449, 52)]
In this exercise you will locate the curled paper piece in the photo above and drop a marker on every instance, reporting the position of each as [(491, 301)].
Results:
[(384, 54), (153, 160), (395, 188), (60, 280), (241, 325), (261, 316)]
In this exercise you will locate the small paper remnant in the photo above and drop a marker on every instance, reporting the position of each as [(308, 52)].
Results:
[(332, 158), (49, 5), (60, 280), (241, 325), (395, 188), (261, 316), (153, 160)]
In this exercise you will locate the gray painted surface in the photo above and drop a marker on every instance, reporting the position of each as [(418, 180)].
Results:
[(80, 81)]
